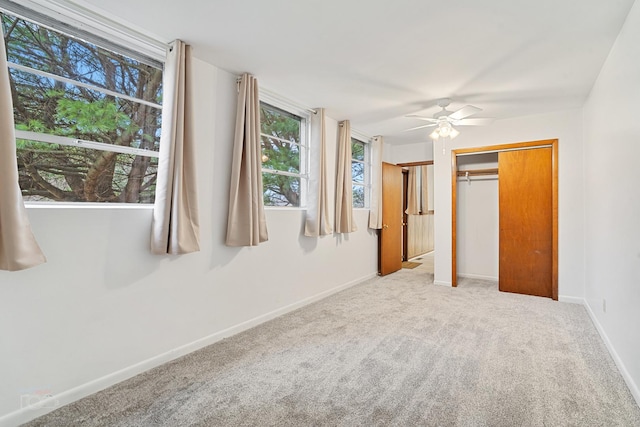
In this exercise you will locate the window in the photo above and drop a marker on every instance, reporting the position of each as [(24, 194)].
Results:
[(87, 118), (360, 173), (284, 156)]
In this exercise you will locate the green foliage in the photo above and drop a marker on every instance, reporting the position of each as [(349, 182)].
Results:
[(358, 196), (91, 117), (281, 152), (50, 106), (357, 150)]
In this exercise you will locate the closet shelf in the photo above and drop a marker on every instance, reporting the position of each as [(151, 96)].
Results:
[(478, 172)]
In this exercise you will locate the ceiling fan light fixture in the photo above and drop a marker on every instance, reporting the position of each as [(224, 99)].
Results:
[(444, 128)]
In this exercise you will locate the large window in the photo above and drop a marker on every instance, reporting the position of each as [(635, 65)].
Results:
[(87, 118), (360, 173), (284, 156)]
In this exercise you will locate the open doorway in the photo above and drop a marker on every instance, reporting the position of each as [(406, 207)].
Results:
[(418, 214)]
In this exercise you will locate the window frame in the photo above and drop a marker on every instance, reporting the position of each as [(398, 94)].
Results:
[(304, 146), (90, 28), (366, 184)]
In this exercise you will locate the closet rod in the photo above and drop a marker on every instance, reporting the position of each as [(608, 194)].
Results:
[(477, 172)]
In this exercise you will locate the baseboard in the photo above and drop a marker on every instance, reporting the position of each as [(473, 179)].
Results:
[(69, 396), (478, 277), (633, 387), (441, 283), (571, 300)]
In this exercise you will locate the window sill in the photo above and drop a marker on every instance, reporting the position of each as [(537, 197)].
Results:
[(284, 208), (86, 205)]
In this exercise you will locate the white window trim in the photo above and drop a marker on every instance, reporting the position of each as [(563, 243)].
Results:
[(277, 101), (62, 140), (367, 168), (123, 38), (84, 85), (93, 20)]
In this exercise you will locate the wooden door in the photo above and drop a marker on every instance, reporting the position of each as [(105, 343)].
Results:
[(391, 233), (526, 221)]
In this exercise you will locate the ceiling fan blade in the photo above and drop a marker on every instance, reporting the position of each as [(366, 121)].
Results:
[(475, 122), (465, 111), (420, 127), (426, 119)]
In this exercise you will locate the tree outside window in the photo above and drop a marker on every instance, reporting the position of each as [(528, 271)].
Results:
[(360, 173), (87, 119), (283, 156)]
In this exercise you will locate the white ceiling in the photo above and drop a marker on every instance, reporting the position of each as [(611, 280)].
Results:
[(375, 61)]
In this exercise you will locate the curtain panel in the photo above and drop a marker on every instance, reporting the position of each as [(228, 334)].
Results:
[(413, 197), (375, 210), (246, 223), (18, 247), (317, 221), (175, 227), (344, 184), (424, 190)]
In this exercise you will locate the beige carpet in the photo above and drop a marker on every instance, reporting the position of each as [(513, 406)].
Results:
[(396, 350)]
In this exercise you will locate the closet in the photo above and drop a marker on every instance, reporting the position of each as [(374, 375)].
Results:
[(505, 216)]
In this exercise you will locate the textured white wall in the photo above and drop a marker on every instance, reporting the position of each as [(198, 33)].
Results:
[(566, 126), (612, 200), (103, 303)]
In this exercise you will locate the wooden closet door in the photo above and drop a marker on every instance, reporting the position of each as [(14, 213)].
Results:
[(526, 221)]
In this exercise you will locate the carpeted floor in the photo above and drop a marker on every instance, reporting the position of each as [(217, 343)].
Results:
[(395, 350)]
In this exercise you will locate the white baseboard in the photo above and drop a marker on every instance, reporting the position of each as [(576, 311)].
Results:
[(571, 300), (27, 414), (633, 387), (478, 277), (441, 283)]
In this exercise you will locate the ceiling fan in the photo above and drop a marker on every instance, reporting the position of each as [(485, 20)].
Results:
[(445, 120)]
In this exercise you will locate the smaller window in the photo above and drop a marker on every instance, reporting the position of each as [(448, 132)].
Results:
[(360, 172), (284, 156)]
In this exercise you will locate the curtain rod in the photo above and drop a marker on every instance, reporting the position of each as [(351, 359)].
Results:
[(280, 98), (354, 132)]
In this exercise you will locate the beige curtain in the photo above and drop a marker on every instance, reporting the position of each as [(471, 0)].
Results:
[(413, 196), (344, 184), (246, 224), (424, 190), (175, 227), (18, 248), (375, 210), (317, 215)]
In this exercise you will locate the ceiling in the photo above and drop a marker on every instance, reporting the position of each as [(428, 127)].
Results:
[(375, 62)]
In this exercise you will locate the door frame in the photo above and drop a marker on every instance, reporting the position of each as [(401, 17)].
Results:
[(405, 221), (405, 216), (553, 143)]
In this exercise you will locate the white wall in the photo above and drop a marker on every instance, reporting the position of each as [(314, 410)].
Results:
[(103, 304), (477, 219), (612, 200), (406, 153), (566, 127)]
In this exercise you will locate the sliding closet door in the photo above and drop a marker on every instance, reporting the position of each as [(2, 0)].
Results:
[(526, 221)]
